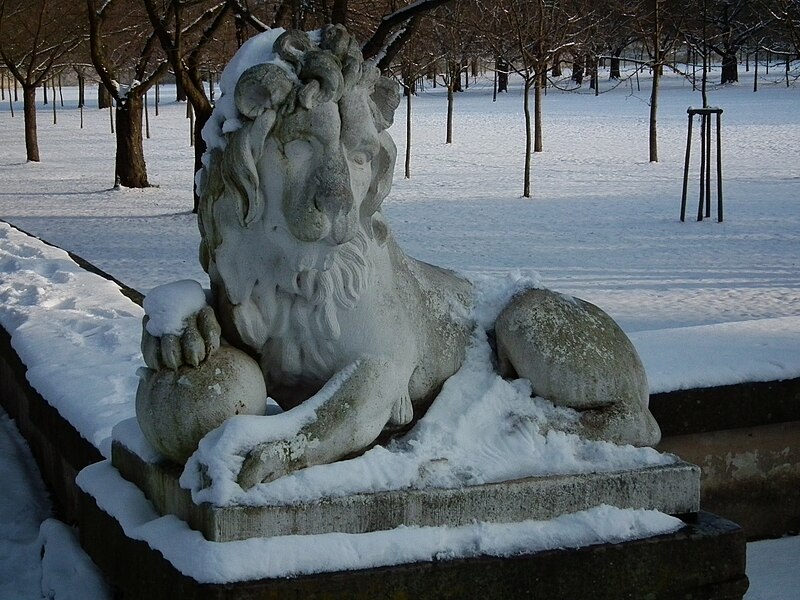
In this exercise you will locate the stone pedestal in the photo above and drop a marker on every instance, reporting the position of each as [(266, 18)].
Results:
[(671, 489)]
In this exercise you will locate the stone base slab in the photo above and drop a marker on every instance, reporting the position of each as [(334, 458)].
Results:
[(703, 560), (672, 489)]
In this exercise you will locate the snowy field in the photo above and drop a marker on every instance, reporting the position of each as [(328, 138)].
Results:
[(603, 225)]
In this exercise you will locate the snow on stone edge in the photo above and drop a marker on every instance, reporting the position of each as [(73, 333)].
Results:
[(294, 555)]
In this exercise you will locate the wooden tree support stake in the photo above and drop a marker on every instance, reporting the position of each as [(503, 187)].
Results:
[(705, 162)]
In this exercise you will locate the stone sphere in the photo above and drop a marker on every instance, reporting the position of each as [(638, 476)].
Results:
[(175, 409)]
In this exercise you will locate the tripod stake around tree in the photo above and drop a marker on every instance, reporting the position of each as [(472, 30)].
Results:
[(705, 162)]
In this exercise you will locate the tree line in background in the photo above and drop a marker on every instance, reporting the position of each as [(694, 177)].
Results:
[(129, 46)]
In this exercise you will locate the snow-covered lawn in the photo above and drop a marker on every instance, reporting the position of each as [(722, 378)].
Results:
[(706, 303)]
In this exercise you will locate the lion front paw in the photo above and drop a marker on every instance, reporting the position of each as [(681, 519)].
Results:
[(270, 460), (198, 340), (179, 328)]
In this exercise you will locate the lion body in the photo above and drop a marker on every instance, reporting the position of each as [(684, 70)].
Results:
[(350, 333)]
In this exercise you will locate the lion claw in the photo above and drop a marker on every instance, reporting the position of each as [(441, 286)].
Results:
[(265, 463), (200, 338)]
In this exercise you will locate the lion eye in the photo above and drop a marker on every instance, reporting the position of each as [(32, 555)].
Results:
[(360, 158)]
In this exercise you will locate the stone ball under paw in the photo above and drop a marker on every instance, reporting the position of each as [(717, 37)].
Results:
[(175, 409)]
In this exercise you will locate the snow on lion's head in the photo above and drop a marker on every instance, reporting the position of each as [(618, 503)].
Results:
[(298, 164)]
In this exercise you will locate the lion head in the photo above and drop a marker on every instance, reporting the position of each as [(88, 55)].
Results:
[(297, 168)]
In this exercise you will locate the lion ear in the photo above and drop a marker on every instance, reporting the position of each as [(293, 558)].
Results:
[(260, 88), (386, 98), (383, 172)]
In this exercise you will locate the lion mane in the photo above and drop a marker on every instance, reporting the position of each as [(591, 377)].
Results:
[(287, 311)]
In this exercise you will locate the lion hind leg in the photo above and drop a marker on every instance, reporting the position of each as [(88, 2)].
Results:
[(575, 355)]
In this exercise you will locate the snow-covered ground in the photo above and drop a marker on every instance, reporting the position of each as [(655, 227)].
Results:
[(603, 225)]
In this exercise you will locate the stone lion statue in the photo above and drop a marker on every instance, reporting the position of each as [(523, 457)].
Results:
[(351, 335)]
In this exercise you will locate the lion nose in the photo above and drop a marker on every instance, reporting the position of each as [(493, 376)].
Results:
[(343, 228), (334, 199)]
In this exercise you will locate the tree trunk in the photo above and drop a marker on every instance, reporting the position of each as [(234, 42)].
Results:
[(180, 93), (408, 133), (653, 114), (615, 65), (657, 71), (201, 117), (103, 96), (537, 112), (755, 73), (29, 107), (339, 12), (81, 90), (526, 187), (501, 67), (450, 100), (131, 170), (578, 70), (730, 67), (556, 68), (455, 77)]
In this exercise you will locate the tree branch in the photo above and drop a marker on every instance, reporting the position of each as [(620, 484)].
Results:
[(246, 16), (376, 44)]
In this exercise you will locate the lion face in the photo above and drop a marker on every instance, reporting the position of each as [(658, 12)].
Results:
[(305, 151), (319, 167)]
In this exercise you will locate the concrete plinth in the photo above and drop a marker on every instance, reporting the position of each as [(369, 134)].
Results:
[(672, 489)]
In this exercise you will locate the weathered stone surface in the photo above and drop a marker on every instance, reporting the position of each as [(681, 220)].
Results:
[(750, 475), (673, 489), (177, 408), (575, 355)]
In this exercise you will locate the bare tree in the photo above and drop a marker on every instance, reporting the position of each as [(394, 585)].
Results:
[(380, 24), (529, 35), (614, 32), (412, 63), (391, 33), (783, 37), (785, 16), (124, 45), (35, 36), (453, 40), (659, 24), (185, 31), (727, 25)]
